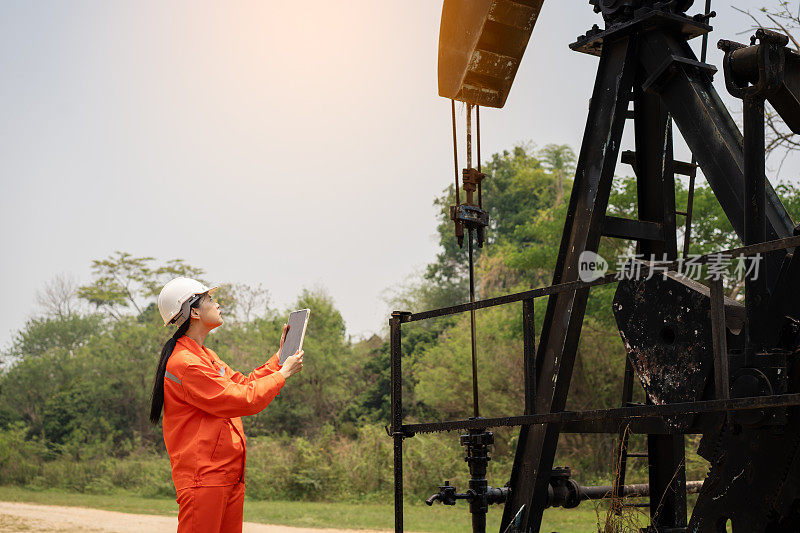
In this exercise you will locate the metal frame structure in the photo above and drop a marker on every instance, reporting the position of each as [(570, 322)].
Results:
[(748, 415), (640, 419)]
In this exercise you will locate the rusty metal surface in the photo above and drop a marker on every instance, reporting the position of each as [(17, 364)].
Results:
[(665, 327), (481, 43)]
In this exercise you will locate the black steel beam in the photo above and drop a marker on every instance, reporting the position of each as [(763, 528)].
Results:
[(564, 316), (529, 354), (719, 336), (655, 186), (667, 476), (655, 179), (713, 137), (636, 426), (616, 415), (755, 230), (683, 168), (625, 228), (397, 415)]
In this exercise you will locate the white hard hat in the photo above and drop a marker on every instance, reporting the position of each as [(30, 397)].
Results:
[(177, 297)]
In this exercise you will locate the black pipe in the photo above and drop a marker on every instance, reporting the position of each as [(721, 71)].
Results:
[(629, 491), (568, 494), (477, 443)]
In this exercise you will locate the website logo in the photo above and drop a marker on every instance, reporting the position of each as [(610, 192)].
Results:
[(591, 266)]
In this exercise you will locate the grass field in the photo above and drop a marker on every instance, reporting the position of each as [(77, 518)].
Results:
[(317, 514)]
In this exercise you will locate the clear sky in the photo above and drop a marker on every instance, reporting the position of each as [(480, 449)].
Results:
[(292, 144)]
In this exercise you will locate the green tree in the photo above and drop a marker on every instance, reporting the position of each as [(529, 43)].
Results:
[(91, 409), (122, 281), (39, 361), (559, 159), (41, 334), (26, 387)]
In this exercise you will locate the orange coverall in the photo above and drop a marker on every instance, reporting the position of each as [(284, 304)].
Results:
[(203, 402)]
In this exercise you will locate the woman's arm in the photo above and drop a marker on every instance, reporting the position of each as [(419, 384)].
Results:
[(270, 367), (220, 396)]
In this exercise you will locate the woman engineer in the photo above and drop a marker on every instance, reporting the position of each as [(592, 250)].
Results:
[(203, 400)]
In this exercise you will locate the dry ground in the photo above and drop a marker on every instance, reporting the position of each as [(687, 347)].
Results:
[(18, 517)]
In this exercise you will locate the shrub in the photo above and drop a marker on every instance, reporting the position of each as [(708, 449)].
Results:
[(19, 458)]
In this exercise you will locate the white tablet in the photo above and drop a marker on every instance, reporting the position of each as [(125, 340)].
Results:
[(298, 321)]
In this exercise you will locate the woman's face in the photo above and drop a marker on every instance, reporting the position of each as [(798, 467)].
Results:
[(207, 312)]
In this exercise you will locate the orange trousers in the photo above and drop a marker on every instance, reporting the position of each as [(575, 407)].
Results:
[(211, 509)]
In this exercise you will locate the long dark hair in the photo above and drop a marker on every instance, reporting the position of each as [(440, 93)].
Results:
[(157, 398)]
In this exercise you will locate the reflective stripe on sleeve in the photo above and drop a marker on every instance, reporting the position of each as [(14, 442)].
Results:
[(172, 377)]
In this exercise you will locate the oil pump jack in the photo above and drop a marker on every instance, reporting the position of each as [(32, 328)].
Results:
[(708, 364)]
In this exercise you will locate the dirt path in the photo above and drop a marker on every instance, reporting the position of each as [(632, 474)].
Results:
[(18, 517)]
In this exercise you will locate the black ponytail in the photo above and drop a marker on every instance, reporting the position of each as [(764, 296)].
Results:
[(157, 398)]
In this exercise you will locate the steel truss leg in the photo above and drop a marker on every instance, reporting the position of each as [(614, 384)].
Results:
[(754, 222), (656, 202), (686, 90), (564, 317)]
